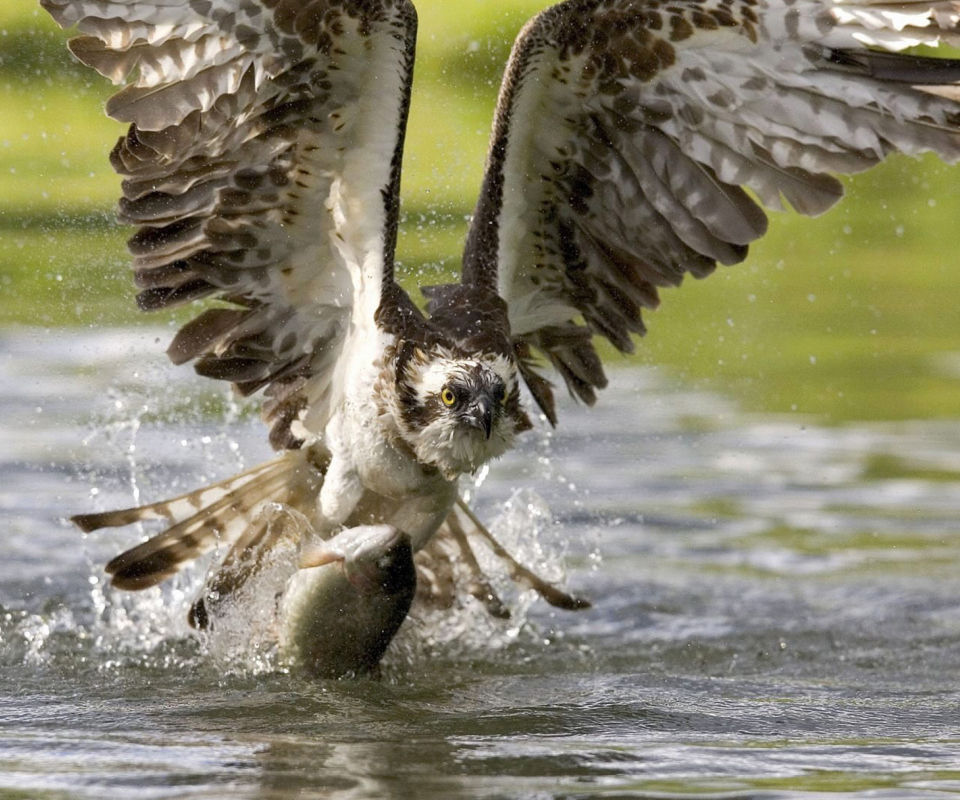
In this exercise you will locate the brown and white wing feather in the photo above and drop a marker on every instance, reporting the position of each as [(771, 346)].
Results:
[(627, 132), (262, 167)]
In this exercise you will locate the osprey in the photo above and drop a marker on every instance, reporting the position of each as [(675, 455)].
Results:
[(634, 141)]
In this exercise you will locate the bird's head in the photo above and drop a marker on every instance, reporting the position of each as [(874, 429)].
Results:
[(456, 413)]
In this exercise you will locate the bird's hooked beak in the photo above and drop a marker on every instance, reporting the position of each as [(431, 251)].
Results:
[(480, 414)]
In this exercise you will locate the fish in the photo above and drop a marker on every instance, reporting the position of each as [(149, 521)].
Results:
[(347, 601)]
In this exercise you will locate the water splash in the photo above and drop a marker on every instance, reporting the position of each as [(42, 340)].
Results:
[(32, 634), (466, 629), (244, 632)]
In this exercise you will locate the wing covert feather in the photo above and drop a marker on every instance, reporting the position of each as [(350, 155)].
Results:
[(636, 141), (262, 167)]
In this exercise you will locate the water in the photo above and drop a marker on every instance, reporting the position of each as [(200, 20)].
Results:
[(777, 610)]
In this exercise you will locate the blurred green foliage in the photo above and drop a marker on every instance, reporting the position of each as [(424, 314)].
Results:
[(846, 316)]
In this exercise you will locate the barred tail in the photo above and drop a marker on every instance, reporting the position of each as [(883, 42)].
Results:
[(217, 515)]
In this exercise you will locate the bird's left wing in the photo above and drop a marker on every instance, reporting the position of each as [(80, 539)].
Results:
[(262, 166), (627, 131)]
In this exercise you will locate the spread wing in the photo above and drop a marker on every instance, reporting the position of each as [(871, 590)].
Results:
[(262, 166), (627, 132)]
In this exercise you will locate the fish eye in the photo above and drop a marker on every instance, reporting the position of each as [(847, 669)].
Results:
[(448, 397)]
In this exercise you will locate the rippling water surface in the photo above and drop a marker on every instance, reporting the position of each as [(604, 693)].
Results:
[(776, 610)]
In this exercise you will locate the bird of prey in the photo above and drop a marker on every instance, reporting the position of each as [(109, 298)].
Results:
[(634, 141)]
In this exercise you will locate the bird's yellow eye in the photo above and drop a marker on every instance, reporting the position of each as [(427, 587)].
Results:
[(448, 397), (504, 397)]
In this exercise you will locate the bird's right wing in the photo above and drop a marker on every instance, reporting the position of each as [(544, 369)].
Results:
[(262, 167), (636, 140)]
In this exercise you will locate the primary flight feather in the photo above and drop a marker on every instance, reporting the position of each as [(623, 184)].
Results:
[(634, 141)]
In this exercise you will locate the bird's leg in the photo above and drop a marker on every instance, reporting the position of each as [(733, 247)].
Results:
[(479, 585), (520, 573), (340, 493)]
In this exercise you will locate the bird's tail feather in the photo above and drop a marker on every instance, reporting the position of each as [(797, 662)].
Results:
[(221, 514)]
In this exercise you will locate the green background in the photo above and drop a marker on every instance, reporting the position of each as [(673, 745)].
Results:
[(852, 316)]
